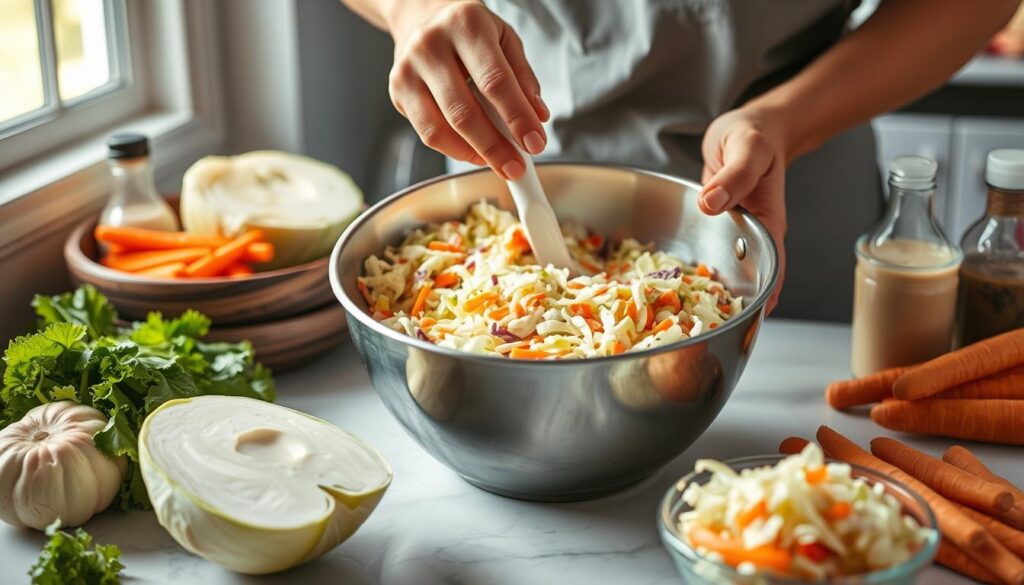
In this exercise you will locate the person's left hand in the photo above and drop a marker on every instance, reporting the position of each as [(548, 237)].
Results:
[(745, 164)]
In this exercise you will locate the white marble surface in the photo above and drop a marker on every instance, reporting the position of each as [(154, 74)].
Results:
[(432, 528)]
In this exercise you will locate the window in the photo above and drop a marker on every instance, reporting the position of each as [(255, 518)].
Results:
[(66, 63)]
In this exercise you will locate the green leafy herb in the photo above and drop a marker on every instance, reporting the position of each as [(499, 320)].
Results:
[(67, 560), (79, 353)]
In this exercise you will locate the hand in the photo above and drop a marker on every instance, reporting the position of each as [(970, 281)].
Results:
[(744, 164), (439, 46)]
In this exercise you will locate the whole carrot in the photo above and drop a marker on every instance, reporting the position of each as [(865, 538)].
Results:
[(169, 270), (955, 559), (1011, 538), (1008, 385), (947, 480), (992, 421), (136, 261), (954, 524), (963, 458), (217, 261), (978, 360), (860, 391), (792, 445), (131, 238)]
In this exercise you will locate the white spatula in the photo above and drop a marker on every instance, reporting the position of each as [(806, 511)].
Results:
[(535, 213)]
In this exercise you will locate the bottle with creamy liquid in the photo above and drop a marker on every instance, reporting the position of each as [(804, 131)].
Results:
[(905, 285), (992, 274), (134, 201)]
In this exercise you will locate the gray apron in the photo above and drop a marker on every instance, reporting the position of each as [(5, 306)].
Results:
[(638, 81)]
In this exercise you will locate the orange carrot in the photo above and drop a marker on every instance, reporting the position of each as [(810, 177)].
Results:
[(632, 311), (665, 324), (618, 348), (132, 239), (703, 270), (839, 511), (669, 298), (976, 361), (1008, 385), (733, 553), (747, 517), (135, 261), (217, 261), (480, 301), (969, 462), (499, 312), (947, 480), (259, 253), (520, 353), (993, 421), (582, 309), (792, 445), (421, 301), (951, 557), (954, 524), (873, 388), (171, 270), (446, 280), (1012, 538), (443, 247), (363, 290), (238, 270), (816, 475)]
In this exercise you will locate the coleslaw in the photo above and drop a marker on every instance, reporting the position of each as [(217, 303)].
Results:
[(802, 518), (474, 285)]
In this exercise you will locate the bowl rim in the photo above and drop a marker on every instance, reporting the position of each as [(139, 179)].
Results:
[(361, 315), (922, 558), (81, 262)]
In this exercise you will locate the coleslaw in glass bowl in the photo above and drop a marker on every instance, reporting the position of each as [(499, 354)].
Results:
[(796, 519), (473, 285)]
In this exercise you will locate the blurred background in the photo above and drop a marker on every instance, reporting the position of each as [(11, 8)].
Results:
[(203, 77)]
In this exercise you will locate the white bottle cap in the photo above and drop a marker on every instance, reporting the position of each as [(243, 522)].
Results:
[(913, 172), (1005, 169)]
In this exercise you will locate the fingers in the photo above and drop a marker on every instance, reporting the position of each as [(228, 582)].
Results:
[(512, 47), (417, 104), (746, 159)]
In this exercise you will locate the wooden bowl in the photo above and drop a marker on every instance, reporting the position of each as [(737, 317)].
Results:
[(259, 298), (289, 343)]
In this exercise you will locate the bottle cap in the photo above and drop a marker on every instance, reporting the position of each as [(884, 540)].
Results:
[(127, 145), (913, 172), (1005, 169)]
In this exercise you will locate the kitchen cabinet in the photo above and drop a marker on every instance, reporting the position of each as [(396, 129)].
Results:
[(432, 528)]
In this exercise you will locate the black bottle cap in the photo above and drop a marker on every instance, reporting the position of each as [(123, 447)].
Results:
[(127, 145)]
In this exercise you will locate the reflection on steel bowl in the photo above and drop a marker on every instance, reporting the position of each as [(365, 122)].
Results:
[(572, 429)]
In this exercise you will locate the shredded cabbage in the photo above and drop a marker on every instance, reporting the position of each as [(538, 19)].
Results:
[(801, 518), (475, 286)]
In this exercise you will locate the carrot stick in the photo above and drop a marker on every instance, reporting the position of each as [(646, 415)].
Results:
[(1011, 538), (954, 524), (217, 261), (792, 445), (955, 559), (963, 458), (421, 301), (479, 301), (993, 421), (528, 354), (444, 247), (947, 480), (665, 324), (869, 389), (446, 280), (135, 261), (1008, 385), (238, 270), (131, 238), (733, 553), (976, 361), (259, 253), (170, 270)]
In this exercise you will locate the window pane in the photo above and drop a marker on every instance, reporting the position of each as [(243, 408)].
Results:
[(20, 74), (80, 32)]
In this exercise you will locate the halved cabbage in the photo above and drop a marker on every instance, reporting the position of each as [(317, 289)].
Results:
[(255, 487), (301, 204)]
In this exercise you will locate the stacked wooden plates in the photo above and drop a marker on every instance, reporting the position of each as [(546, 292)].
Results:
[(290, 315)]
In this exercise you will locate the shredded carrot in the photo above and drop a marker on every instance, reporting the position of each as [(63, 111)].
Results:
[(665, 325), (364, 291), (703, 270), (747, 517), (618, 348), (443, 247), (724, 308), (421, 301), (480, 301), (631, 311), (589, 265), (839, 511), (713, 326), (734, 554), (574, 286), (446, 280), (499, 312), (669, 298), (816, 475), (520, 353), (427, 323), (582, 309)]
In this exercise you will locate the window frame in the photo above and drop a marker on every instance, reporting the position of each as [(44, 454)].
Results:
[(57, 122)]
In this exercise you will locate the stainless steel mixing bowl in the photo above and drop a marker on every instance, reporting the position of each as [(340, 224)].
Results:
[(573, 429)]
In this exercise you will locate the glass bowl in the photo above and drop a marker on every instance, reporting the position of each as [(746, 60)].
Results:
[(695, 568)]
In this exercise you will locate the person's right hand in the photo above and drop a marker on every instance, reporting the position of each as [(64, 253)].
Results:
[(442, 45)]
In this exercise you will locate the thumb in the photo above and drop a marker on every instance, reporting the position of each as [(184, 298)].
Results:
[(745, 161)]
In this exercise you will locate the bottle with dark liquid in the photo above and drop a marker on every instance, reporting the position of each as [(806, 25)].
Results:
[(991, 294)]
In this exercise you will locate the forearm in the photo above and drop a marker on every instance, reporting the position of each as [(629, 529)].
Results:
[(907, 48)]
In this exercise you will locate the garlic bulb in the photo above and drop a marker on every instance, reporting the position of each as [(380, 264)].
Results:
[(50, 468)]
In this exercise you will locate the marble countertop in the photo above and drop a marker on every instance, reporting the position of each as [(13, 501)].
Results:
[(432, 528)]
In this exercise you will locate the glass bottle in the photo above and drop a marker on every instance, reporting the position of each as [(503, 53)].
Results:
[(134, 200), (991, 299), (905, 283)]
